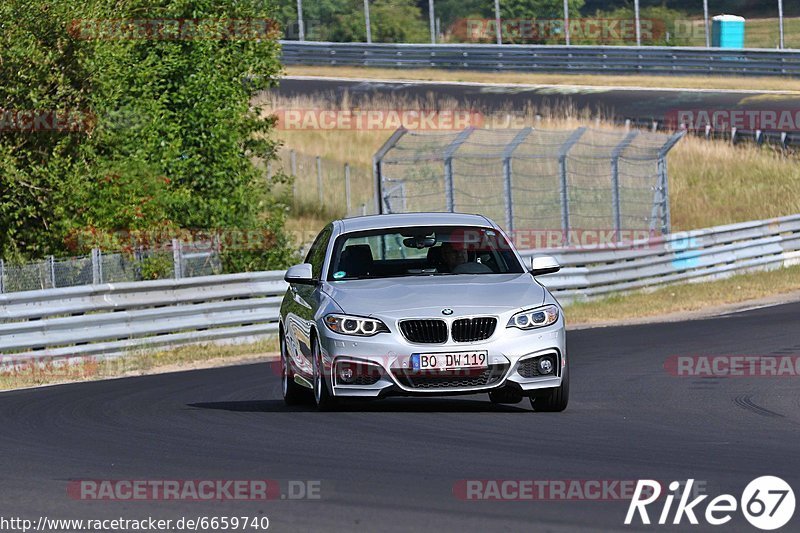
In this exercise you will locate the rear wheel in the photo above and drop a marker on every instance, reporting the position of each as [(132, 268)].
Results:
[(322, 397), (293, 393), (552, 400)]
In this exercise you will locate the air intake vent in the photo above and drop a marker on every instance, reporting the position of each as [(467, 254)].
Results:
[(430, 331), (473, 329)]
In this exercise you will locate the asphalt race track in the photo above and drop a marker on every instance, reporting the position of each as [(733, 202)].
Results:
[(620, 103), (392, 465)]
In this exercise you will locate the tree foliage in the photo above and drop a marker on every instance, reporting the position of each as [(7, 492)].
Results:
[(168, 137)]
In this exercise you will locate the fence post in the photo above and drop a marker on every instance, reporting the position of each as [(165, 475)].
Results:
[(97, 276), (508, 152), (51, 263), (449, 191), (615, 155), (347, 186), (666, 221), (2, 276), (319, 179), (176, 259), (377, 168), (562, 173), (293, 168)]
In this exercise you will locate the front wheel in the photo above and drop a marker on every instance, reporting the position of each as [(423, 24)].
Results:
[(552, 400), (293, 394), (322, 397)]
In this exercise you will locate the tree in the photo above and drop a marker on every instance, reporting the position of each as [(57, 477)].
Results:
[(171, 139)]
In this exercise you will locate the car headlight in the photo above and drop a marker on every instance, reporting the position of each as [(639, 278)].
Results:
[(534, 318), (355, 325)]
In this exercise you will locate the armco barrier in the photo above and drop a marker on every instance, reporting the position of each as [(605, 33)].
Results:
[(112, 319), (547, 58), (692, 256), (108, 320)]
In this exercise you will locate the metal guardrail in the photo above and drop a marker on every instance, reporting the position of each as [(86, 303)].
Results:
[(109, 320), (698, 255), (548, 58), (113, 319)]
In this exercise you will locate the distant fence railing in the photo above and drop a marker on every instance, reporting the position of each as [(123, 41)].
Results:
[(548, 58), (109, 320), (181, 260)]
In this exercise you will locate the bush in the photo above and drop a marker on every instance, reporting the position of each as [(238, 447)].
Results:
[(168, 136)]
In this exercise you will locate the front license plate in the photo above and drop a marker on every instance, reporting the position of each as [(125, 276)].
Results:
[(449, 361)]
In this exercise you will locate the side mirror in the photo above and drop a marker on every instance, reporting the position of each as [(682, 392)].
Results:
[(544, 264), (301, 274)]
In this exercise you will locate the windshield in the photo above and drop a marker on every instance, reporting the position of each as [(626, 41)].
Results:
[(422, 251)]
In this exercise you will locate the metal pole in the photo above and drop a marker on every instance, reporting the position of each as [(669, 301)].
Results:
[(347, 186), (2, 276), (562, 171), (508, 171), (615, 196), (638, 23), (566, 20), (705, 21), (176, 259), (52, 264), (293, 167), (95, 266), (377, 169), (431, 16), (300, 27), (367, 22), (319, 179), (497, 22), (449, 152), (780, 21)]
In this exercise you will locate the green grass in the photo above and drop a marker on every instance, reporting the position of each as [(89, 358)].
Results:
[(763, 33)]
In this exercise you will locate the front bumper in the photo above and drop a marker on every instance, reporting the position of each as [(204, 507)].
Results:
[(384, 361)]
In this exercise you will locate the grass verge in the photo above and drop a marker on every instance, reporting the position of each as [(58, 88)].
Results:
[(685, 297), (37, 373), (530, 78)]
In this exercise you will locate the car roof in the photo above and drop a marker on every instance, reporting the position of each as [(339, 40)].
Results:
[(369, 222)]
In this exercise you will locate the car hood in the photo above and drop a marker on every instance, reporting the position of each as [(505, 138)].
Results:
[(428, 295)]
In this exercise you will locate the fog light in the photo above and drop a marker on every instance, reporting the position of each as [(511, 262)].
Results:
[(546, 365), (346, 374)]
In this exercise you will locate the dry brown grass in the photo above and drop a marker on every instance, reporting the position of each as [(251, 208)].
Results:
[(36, 373)]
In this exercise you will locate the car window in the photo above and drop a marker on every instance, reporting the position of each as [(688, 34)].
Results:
[(316, 254), (422, 250)]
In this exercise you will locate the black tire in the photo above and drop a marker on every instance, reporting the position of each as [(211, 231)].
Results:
[(323, 398), (552, 400), (293, 394)]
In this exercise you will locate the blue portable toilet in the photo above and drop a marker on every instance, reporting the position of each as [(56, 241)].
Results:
[(727, 31)]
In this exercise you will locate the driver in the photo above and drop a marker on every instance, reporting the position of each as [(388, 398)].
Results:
[(453, 255)]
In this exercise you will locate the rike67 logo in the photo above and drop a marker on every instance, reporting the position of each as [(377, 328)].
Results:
[(767, 503)]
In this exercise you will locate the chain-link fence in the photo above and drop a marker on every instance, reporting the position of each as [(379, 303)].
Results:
[(342, 189), (186, 259), (533, 179)]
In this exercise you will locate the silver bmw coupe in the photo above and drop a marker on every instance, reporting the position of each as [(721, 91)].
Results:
[(421, 304)]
